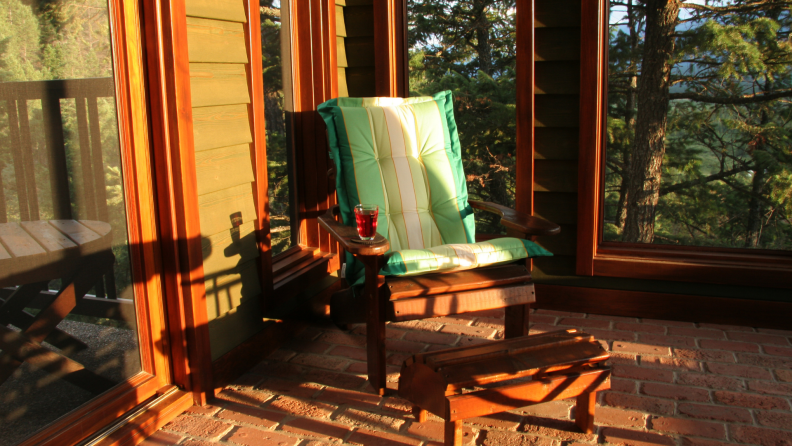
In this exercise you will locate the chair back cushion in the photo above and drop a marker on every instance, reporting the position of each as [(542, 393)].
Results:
[(404, 156)]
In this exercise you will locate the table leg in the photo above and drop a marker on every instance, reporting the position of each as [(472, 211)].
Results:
[(16, 303), (453, 433), (21, 349), (584, 411)]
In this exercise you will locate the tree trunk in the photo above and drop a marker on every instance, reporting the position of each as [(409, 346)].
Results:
[(629, 116), (649, 147), (756, 209), (483, 48)]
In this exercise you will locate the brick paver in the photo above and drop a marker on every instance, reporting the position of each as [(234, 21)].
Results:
[(675, 383)]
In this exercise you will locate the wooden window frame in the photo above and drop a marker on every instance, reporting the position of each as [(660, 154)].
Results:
[(595, 257), (143, 235)]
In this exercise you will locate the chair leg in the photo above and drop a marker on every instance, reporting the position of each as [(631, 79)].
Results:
[(453, 433), (375, 327), (517, 319), (419, 414), (584, 411)]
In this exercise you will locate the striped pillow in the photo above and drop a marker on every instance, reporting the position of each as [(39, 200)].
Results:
[(459, 257), (403, 155)]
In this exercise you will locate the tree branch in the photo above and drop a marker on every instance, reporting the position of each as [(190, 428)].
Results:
[(745, 99), (703, 180)]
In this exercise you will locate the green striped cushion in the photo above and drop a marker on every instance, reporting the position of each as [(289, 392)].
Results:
[(403, 155), (459, 257)]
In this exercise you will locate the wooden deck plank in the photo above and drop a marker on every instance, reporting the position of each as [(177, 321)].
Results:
[(98, 227), (19, 242), (78, 233), (3, 253), (48, 237)]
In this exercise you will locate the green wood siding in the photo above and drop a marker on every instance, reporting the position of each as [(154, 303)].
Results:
[(224, 171), (218, 84)]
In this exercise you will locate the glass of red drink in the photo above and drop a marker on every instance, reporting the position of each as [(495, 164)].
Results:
[(366, 218)]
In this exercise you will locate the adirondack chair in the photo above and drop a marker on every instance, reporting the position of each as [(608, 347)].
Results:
[(404, 155)]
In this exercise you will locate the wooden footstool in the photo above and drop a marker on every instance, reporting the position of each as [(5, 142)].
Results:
[(485, 379)]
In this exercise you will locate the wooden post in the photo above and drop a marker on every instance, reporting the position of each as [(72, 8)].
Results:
[(453, 433), (517, 319), (584, 412)]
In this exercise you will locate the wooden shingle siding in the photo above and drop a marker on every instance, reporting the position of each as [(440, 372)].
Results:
[(218, 84), (557, 44), (341, 59), (557, 77), (216, 41), (556, 143), (556, 110), (563, 244), (359, 51), (557, 14), (220, 93), (226, 292), (341, 51), (221, 126), (555, 176), (360, 21), (223, 252), (558, 207), (216, 207), (359, 46), (556, 116), (229, 10), (222, 168), (340, 26)]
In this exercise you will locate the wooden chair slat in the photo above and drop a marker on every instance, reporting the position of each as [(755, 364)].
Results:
[(490, 401), (460, 302), (539, 361), (19, 242), (48, 237), (441, 358), (75, 231), (405, 287)]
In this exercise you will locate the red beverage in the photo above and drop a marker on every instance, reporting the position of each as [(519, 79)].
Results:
[(366, 218)]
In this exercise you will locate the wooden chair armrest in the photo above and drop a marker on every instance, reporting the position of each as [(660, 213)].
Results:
[(522, 223), (345, 234)]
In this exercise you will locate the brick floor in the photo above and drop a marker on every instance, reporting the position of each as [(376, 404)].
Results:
[(675, 383)]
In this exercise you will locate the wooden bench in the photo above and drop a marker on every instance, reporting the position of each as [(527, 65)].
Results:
[(485, 379)]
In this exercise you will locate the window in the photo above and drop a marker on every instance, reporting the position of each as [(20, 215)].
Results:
[(279, 126), (80, 320), (688, 158), (470, 48)]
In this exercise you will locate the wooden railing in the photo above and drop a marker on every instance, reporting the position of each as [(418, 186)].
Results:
[(85, 92), (14, 97)]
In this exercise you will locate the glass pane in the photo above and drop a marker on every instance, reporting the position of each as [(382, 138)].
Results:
[(283, 229), (469, 47), (65, 276), (699, 125)]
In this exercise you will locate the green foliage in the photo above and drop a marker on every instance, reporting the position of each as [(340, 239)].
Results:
[(447, 52), (277, 154), (728, 150)]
